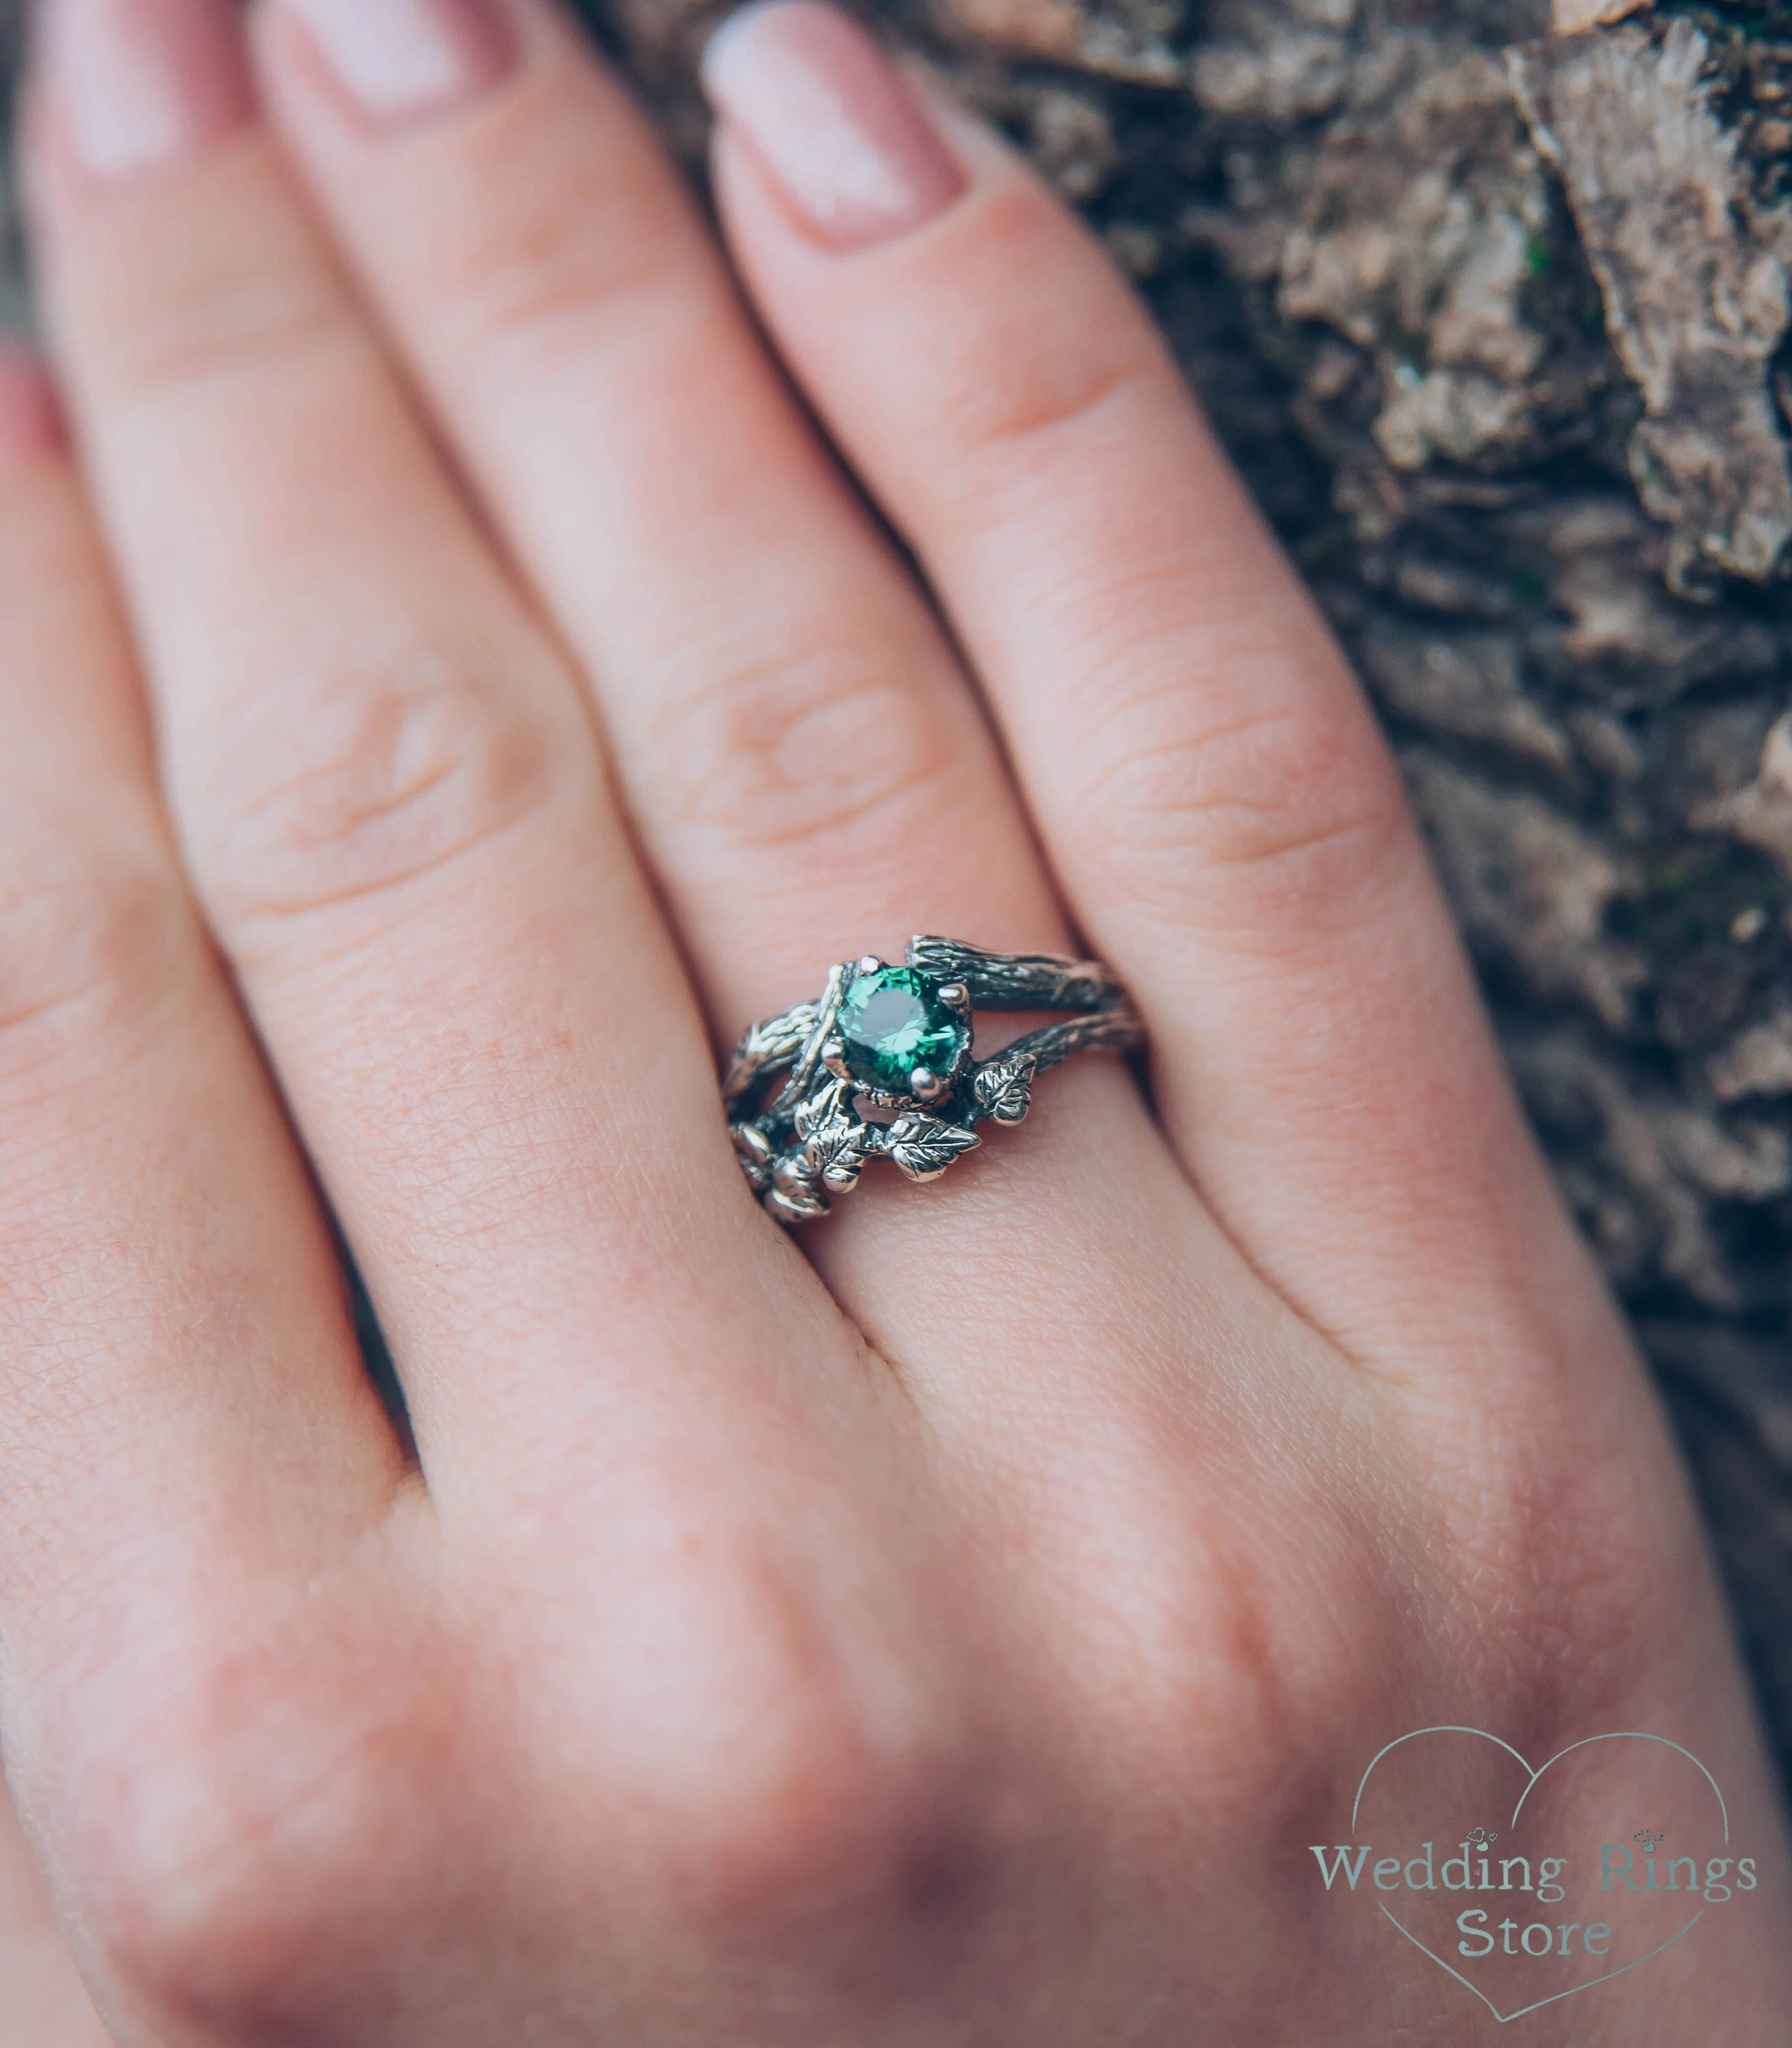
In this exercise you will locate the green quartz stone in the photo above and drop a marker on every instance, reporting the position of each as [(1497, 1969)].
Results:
[(893, 1022)]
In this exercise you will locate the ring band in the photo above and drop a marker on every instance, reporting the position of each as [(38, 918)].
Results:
[(898, 1041)]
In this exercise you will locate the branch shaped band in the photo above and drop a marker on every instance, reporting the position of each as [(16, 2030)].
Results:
[(882, 1066)]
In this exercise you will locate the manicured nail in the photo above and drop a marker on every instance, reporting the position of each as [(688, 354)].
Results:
[(398, 59), (834, 123), (30, 419), (140, 83)]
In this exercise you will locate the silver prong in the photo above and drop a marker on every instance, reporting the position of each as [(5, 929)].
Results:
[(833, 1057), (955, 994), (926, 1085), (869, 963)]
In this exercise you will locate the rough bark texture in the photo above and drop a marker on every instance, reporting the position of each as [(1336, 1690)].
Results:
[(1495, 320)]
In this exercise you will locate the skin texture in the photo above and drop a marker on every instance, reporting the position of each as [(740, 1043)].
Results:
[(952, 1628)]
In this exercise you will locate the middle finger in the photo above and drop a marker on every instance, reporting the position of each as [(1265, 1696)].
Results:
[(389, 790)]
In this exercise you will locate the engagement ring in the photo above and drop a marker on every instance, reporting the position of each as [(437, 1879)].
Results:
[(882, 1066)]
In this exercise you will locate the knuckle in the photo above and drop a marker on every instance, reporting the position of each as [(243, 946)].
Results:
[(238, 290), (535, 272), (831, 1821), (1529, 1505), (241, 1849), (553, 224), (1290, 812), (797, 1797), (1181, 1657), (236, 328), (1231, 1669), (782, 753), (230, 283), (1019, 421), (1031, 369), (95, 933), (389, 773)]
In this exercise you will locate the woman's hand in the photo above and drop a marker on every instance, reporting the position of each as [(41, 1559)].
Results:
[(953, 1626)]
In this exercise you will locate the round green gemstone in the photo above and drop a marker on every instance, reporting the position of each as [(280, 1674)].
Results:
[(893, 1022)]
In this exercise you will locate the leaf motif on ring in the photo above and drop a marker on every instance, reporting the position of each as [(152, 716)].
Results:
[(837, 1152), (924, 1147), (822, 1108), (1003, 1088)]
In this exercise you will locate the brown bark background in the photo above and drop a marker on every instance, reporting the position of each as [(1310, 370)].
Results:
[(1495, 319)]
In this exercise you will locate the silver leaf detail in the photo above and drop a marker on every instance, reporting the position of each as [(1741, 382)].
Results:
[(836, 1153), (1003, 1088), (924, 1147), (820, 1109)]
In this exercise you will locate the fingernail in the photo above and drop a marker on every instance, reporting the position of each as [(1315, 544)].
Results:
[(400, 58), (140, 83), (30, 420), (837, 126)]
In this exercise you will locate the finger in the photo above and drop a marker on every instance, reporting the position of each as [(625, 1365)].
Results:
[(1212, 788), (808, 769), (388, 789), (184, 1426)]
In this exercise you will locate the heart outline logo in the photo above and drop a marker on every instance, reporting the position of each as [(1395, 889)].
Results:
[(1615, 1735)]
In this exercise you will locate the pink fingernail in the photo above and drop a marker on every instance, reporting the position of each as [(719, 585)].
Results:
[(140, 83), (30, 419), (400, 58), (834, 123)]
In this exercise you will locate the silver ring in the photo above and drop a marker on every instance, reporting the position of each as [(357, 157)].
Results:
[(882, 1067)]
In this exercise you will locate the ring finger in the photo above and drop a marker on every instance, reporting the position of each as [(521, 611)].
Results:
[(810, 772)]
